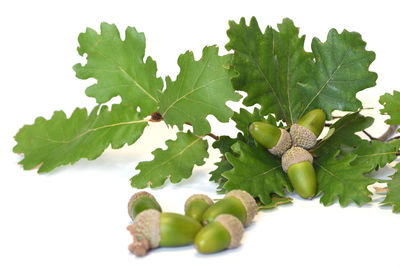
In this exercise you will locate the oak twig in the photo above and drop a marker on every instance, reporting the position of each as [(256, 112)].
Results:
[(210, 134), (369, 135), (389, 133)]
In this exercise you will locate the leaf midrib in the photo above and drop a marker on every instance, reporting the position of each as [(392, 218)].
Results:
[(325, 84), (124, 71), (93, 130), (175, 156)]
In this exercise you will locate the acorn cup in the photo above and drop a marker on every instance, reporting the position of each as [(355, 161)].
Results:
[(224, 232), (141, 201), (152, 229), (196, 205), (307, 129), (276, 140), (238, 203), (297, 163)]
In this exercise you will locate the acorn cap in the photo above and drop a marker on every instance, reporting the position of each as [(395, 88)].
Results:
[(302, 136), (284, 143), (248, 202), (234, 226), (206, 198), (147, 226), (136, 196), (295, 155)]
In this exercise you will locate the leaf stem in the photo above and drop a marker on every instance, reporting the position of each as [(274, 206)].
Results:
[(216, 138), (385, 137), (213, 136)]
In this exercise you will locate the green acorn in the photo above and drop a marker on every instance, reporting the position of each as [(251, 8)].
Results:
[(152, 229), (276, 140), (297, 163), (238, 203), (141, 201), (196, 205), (307, 129), (224, 232)]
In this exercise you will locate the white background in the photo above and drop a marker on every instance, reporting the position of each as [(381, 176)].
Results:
[(76, 215)]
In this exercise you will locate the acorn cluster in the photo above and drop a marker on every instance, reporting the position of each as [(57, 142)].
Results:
[(293, 148), (212, 227)]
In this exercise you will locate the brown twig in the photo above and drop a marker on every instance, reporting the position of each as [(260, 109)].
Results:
[(369, 135), (157, 117), (213, 136), (210, 134), (394, 138), (389, 133)]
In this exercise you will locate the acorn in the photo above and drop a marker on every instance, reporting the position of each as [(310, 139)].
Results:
[(238, 203), (307, 129), (141, 201), (225, 232), (297, 163), (276, 140), (196, 205), (152, 229)]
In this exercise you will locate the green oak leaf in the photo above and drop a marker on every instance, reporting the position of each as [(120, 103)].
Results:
[(270, 64), (343, 133), (119, 68), (375, 153), (223, 144), (61, 140), (339, 179), (200, 89), (391, 105), (256, 171), (243, 119), (340, 71), (216, 175), (278, 74), (175, 163), (393, 194)]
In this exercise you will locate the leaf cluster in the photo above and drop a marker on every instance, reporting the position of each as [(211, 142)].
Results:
[(274, 71)]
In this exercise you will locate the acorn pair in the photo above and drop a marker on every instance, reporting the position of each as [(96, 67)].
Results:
[(224, 222), (292, 147)]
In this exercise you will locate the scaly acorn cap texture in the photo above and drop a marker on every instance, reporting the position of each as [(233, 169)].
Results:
[(136, 196), (284, 143), (206, 198), (234, 226), (295, 155), (147, 226), (248, 202), (302, 136)]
